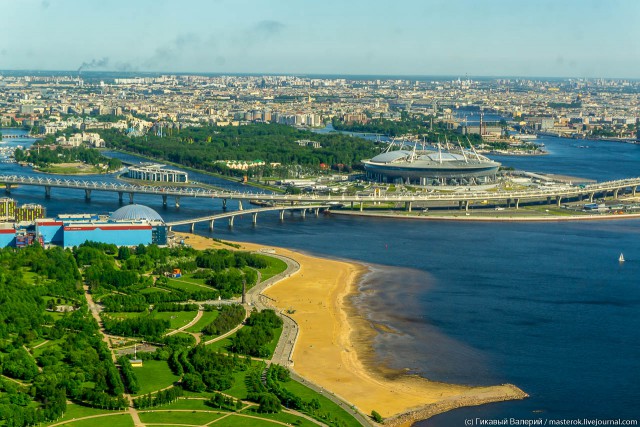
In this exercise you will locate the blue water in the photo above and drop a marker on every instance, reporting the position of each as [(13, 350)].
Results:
[(544, 306)]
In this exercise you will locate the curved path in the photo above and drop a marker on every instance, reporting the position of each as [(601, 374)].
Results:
[(188, 325), (95, 312), (232, 331)]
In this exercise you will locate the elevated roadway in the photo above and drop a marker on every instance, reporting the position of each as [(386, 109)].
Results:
[(253, 212), (463, 197)]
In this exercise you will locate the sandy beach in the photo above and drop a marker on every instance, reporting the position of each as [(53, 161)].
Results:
[(334, 351)]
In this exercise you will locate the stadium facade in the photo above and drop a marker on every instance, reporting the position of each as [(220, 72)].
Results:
[(431, 167)]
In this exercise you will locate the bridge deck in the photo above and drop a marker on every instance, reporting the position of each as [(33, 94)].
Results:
[(243, 212), (568, 191)]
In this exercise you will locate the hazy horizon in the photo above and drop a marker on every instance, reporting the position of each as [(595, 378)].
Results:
[(310, 75), (499, 38)]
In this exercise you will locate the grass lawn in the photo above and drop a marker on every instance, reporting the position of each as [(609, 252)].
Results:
[(115, 420), (180, 416), (30, 277), (207, 317), (239, 388), (226, 343), (221, 344), (271, 346), (187, 285), (126, 315), (36, 342), (327, 407), (177, 318), (51, 344), (274, 266), (79, 411), (154, 375), (153, 289), (70, 170), (237, 420), (56, 315), (189, 278), (284, 417), (193, 404)]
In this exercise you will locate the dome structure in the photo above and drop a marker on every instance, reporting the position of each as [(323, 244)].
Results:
[(431, 165), (136, 213)]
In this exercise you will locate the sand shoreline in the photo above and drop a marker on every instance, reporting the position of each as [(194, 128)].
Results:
[(334, 346)]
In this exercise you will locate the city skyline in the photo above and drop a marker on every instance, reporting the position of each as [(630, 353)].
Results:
[(498, 38)]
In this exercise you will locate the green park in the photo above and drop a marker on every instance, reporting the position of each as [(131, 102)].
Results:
[(105, 336)]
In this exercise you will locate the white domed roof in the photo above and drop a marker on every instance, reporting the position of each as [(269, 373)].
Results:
[(136, 212)]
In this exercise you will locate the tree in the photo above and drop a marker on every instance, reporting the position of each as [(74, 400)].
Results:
[(269, 403), (376, 417), (193, 382), (124, 253)]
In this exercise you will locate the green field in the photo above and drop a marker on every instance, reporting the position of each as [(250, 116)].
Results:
[(189, 285), (153, 290), (51, 344), (194, 403), (70, 170), (207, 317), (226, 343), (284, 417), (239, 387), (327, 407), (186, 416), (221, 344), (78, 411), (274, 266), (154, 375), (237, 420), (271, 345), (126, 315), (113, 420), (177, 319)]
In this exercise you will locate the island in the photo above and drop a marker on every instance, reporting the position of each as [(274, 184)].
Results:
[(57, 155)]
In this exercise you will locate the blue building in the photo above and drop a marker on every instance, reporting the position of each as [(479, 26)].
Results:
[(130, 225), (7, 236)]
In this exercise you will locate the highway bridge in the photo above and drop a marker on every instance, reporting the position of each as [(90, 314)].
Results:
[(253, 212), (463, 196)]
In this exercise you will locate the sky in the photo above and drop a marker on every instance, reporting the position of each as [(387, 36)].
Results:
[(544, 38)]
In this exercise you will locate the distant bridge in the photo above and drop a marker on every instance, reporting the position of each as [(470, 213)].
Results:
[(253, 212), (461, 196)]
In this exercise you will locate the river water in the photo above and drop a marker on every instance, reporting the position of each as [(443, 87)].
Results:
[(545, 306)]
